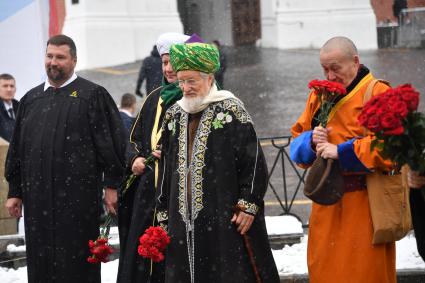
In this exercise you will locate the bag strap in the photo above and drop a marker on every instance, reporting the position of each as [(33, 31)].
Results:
[(366, 97), (368, 94), (369, 91)]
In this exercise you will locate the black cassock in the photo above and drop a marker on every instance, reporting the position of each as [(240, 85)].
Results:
[(64, 141), (417, 206), (227, 167), (137, 207)]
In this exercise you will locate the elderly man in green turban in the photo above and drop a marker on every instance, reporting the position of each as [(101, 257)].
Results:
[(213, 177)]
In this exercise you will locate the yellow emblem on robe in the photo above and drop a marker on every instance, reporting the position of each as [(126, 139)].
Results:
[(74, 94)]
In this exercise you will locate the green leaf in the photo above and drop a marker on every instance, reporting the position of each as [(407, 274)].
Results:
[(217, 124)]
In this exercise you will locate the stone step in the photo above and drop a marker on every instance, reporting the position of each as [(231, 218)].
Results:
[(403, 276)]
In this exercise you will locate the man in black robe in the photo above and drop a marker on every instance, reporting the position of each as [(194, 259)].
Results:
[(68, 144), (213, 178), (137, 206), (417, 205)]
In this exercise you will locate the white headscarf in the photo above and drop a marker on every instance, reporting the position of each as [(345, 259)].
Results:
[(165, 41)]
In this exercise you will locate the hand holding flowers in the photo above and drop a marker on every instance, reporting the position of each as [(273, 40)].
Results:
[(100, 248)]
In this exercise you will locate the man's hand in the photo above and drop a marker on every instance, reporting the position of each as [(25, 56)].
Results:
[(156, 154), (138, 166), (14, 206), (320, 135), (327, 150), (243, 221), (414, 180), (110, 200)]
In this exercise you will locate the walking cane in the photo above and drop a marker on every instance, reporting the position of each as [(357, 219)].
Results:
[(248, 246)]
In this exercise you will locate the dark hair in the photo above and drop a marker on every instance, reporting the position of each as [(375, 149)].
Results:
[(62, 39), (6, 77), (128, 100), (216, 42)]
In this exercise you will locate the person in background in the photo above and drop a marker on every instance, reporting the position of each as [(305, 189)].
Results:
[(137, 207), (8, 107), (416, 183), (151, 71), (127, 109), (219, 75)]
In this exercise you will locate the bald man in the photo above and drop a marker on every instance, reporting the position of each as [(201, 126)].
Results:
[(340, 236)]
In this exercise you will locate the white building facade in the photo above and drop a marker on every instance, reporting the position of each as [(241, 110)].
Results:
[(290, 24), (112, 32)]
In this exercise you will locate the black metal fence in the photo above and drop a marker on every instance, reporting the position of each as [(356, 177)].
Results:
[(290, 178)]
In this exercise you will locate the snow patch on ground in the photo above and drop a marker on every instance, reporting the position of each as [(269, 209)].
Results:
[(289, 260), (281, 225)]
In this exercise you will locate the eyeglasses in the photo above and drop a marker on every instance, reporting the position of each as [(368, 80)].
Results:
[(189, 82)]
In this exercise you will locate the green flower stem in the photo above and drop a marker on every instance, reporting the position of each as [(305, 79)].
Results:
[(417, 153), (148, 161), (326, 105), (105, 228)]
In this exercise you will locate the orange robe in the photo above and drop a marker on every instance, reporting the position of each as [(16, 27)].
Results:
[(340, 246)]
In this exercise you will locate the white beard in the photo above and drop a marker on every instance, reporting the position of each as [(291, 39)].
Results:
[(191, 104)]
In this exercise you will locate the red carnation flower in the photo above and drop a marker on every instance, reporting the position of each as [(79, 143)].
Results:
[(394, 132), (327, 92), (100, 250), (152, 243), (92, 260), (397, 125), (412, 100), (373, 123), (390, 121), (400, 108)]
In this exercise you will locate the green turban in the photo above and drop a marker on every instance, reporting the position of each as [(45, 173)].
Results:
[(201, 57)]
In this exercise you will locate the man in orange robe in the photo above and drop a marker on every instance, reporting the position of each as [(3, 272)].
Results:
[(340, 245)]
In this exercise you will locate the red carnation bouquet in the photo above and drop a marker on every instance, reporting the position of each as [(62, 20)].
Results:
[(327, 93), (100, 248), (398, 127), (153, 243)]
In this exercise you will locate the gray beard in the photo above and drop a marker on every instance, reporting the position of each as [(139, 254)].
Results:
[(192, 104)]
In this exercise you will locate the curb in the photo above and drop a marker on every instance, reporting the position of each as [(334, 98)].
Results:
[(403, 276)]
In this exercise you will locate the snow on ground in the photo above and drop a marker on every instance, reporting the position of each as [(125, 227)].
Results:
[(279, 225), (109, 273), (293, 259), (407, 256), (289, 260)]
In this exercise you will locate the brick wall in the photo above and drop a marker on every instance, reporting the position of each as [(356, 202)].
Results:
[(384, 9)]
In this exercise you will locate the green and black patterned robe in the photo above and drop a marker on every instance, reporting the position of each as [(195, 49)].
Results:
[(227, 167)]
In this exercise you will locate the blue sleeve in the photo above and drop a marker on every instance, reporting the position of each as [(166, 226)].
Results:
[(301, 151), (348, 160)]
